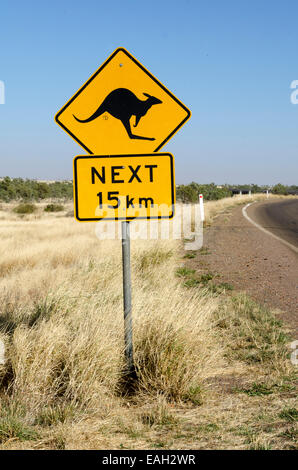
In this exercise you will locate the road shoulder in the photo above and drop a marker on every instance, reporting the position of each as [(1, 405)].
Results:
[(240, 255)]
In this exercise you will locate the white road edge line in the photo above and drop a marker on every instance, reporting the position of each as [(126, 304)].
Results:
[(289, 245)]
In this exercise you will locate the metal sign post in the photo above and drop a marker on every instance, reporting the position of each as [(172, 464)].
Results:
[(127, 297)]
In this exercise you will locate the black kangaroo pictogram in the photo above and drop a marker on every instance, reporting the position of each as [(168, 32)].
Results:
[(122, 104)]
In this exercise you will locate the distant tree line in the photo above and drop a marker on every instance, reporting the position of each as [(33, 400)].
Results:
[(190, 192), (31, 190), (285, 190)]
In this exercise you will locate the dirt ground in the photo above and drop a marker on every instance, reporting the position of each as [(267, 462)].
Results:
[(241, 255)]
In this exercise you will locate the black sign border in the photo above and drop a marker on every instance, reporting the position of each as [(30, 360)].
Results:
[(96, 219), (121, 49)]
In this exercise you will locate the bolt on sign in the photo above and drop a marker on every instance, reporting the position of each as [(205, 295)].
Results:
[(124, 187), (122, 109)]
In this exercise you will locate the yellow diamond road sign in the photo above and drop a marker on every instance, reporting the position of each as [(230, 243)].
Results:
[(124, 187), (122, 109)]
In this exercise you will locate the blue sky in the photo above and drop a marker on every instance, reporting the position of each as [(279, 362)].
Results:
[(231, 62)]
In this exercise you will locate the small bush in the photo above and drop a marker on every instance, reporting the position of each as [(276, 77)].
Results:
[(25, 208), (13, 425), (54, 208)]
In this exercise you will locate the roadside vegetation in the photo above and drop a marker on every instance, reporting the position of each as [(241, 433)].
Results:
[(24, 208), (190, 193), (13, 189), (54, 208), (285, 190), (213, 368)]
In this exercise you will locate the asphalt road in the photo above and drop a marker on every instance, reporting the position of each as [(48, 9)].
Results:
[(280, 218)]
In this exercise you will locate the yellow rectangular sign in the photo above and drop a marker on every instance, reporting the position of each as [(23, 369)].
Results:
[(124, 187)]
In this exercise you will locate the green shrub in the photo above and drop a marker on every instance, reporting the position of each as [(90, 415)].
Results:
[(25, 208), (190, 192), (280, 189), (13, 424), (13, 428), (54, 208)]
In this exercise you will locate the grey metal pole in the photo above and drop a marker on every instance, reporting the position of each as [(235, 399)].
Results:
[(127, 297)]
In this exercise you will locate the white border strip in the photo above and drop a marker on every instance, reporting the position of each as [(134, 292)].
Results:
[(289, 245)]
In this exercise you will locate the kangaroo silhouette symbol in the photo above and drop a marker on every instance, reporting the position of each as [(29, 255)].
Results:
[(122, 104)]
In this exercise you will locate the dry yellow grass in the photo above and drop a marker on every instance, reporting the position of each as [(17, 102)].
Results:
[(61, 296), (62, 324)]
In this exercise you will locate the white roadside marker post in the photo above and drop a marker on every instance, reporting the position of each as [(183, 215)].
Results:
[(201, 199)]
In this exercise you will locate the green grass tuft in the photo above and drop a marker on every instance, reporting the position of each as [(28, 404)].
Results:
[(184, 272), (13, 425), (190, 255), (289, 414)]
